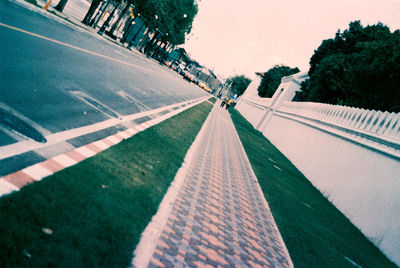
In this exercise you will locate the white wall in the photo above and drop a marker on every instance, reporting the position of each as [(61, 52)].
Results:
[(363, 184)]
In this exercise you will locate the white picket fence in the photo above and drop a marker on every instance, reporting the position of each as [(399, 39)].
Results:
[(376, 123), (380, 130)]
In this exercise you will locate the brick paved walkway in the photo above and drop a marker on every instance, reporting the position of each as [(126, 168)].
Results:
[(219, 216)]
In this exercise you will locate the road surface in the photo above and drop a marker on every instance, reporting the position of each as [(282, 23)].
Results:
[(56, 77)]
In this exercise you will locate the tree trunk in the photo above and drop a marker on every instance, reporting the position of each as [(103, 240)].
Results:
[(92, 9), (144, 40), (95, 20), (164, 52), (60, 6), (149, 44), (115, 25), (156, 53), (136, 34), (127, 29), (106, 24)]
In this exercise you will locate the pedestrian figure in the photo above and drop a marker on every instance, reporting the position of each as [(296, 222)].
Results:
[(228, 103), (223, 102)]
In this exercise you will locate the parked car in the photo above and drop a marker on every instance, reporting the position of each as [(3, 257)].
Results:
[(204, 86), (188, 77)]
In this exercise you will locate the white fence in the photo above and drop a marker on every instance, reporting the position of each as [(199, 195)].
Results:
[(375, 129), (351, 155)]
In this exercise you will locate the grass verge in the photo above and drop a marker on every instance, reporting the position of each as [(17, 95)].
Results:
[(213, 99), (316, 233), (92, 214)]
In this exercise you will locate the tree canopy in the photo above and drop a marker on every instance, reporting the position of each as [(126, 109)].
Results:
[(359, 67), (172, 18), (272, 78), (239, 84)]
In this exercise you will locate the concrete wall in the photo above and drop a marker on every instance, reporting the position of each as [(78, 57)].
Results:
[(351, 155)]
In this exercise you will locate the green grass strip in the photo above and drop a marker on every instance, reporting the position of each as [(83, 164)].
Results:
[(92, 214), (316, 233), (213, 100)]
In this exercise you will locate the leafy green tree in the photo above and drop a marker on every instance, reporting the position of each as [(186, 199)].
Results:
[(239, 84), (172, 18), (359, 67), (272, 78)]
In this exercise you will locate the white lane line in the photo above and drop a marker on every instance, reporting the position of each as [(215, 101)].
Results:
[(37, 172), (85, 151), (30, 145), (64, 160)]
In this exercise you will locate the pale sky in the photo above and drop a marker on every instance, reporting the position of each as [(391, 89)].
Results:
[(246, 36)]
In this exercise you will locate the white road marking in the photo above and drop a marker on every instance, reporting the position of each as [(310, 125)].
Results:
[(30, 145), (37, 172)]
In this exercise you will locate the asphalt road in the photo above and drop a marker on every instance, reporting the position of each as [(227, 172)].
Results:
[(66, 78)]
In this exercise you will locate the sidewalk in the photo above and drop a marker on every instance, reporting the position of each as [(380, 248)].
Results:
[(218, 215)]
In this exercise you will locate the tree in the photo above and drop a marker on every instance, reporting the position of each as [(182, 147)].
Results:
[(239, 84), (116, 23), (359, 67), (174, 17), (272, 78)]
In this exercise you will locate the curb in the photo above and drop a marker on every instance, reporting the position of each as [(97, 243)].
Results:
[(17, 180)]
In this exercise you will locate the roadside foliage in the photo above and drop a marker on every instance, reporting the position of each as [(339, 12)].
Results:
[(359, 67)]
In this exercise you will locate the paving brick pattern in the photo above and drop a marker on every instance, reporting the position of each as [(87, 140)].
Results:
[(219, 217)]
